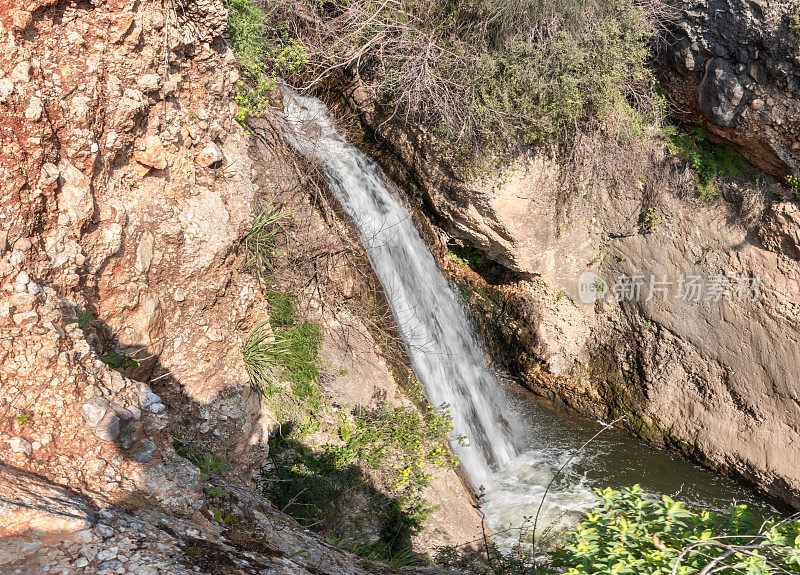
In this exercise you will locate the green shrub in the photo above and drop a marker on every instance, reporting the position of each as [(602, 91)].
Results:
[(708, 161), (401, 441), (291, 350), (208, 463), (486, 74), (628, 534), (794, 21), (264, 51), (333, 497)]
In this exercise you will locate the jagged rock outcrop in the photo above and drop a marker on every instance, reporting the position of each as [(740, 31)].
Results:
[(733, 66)]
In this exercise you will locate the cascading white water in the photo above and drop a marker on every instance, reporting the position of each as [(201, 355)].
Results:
[(446, 357), (450, 363)]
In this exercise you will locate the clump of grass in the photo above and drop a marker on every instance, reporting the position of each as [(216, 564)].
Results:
[(299, 348), (260, 241), (292, 350), (283, 307), (258, 359)]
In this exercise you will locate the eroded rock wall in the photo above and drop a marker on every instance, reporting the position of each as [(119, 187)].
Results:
[(733, 66), (127, 187)]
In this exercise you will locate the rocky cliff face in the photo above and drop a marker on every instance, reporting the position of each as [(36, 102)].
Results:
[(713, 374), (127, 187), (734, 67)]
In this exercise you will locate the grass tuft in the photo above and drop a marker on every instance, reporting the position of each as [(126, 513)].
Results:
[(259, 243)]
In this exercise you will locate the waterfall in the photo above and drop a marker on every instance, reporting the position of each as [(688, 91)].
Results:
[(450, 363), (444, 352)]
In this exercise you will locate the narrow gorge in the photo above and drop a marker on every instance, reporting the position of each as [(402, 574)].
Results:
[(399, 287)]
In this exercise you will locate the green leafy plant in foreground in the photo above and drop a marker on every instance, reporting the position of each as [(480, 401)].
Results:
[(628, 534), (208, 463), (117, 360), (82, 319)]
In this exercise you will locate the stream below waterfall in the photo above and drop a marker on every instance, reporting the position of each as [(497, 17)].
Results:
[(515, 442)]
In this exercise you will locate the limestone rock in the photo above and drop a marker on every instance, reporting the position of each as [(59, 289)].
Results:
[(75, 200), (721, 93), (34, 512), (210, 154), (150, 82), (94, 410), (780, 231), (722, 62), (20, 445), (127, 109), (20, 19), (152, 153)]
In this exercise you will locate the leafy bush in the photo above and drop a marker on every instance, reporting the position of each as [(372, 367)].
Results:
[(333, 497), (794, 185), (486, 74), (264, 51), (401, 441), (627, 534), (794, 21), (209, 464)]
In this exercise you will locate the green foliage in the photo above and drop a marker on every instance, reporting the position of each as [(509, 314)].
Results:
[(333, 497), (282, 306), (651, 219), (401, 441), (208, 463), (23, 418), (485, 75), (260, 242), (583, 72), (117, 360), (83, 319), (293, 348), (325, 487), (707, 160), (794, 21), (466, 256), (627, 534), (218, 517), (260, 59), (794, 185)]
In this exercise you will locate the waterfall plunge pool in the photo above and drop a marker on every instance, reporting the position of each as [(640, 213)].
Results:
[(517, 444)]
